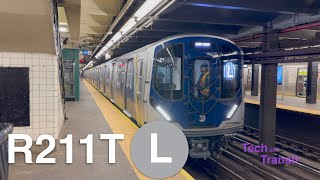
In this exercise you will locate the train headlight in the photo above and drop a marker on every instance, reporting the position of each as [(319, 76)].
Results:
[(232, 111), (163, 113)]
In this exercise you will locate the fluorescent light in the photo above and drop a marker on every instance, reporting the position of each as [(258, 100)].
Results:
[(232, 111), (63, 29), (146, 8), (116, 37), (163, 113), (107, 56), (63, 24)]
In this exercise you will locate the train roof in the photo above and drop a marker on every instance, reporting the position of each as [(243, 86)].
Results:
[(171, 38), (145, 48)]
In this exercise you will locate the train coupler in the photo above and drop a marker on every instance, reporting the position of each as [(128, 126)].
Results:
[(199, 149)]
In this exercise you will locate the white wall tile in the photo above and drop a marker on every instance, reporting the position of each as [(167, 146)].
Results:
[(44, 91)]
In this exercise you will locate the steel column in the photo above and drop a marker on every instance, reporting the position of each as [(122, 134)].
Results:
[(255, 80), (268, 93), (312, 83)]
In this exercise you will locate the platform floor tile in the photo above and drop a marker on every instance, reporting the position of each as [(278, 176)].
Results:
[(121, 124), (84, 117)]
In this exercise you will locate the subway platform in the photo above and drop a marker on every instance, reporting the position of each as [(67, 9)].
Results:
[(93, 114), (294, 118), (289, 103)]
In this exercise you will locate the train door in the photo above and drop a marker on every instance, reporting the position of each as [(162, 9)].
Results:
[(101, 79), (98, 77), (122, 80), (129, 92), (107, 80), (140, 79), (112, 84), (104, 79)]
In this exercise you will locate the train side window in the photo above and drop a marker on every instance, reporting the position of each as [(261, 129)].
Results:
[(167, 74)]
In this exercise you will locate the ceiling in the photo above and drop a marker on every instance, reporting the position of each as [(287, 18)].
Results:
[(228, 18), (88, 20), (26, 26)]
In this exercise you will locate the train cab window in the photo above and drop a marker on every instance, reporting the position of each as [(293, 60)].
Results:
[(167, 76), (230, 82), (201, 79)]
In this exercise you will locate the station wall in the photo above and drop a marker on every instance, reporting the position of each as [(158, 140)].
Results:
[(46, 110), (288, 87)]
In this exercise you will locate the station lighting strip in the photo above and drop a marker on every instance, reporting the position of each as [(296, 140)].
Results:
[(141, 14)]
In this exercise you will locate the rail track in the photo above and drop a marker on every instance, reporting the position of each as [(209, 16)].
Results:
[(233, 163), (303, 168), (296, 147)]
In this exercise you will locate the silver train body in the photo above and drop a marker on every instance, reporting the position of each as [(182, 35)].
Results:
[(127, 81)]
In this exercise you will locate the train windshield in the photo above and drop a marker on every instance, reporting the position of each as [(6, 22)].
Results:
[(168, 72), (230, 82)]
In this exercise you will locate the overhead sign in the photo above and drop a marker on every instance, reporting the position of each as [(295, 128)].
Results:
[(85, 52)]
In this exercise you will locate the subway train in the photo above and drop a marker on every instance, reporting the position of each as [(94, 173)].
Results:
[(192, 81)]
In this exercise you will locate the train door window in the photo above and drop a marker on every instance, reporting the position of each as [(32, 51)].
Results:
[(118, 74), (201, 78), (129, 76), (107, 75), (121, 73), (167, 76), (140, 64), (230, 78)]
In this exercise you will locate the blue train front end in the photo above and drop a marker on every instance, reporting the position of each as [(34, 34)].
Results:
[(196, 84)]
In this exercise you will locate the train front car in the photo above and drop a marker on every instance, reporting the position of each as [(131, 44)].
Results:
[(196, 84)]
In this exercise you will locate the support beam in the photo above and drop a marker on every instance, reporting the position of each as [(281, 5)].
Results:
[(190, 30), (312, 83), (73, 15), (194, 28), (268, 94), (221, 21), (272, 6), (255, 80)]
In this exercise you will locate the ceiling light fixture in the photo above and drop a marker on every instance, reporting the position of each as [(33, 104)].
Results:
[(147, 7), (63, 29)]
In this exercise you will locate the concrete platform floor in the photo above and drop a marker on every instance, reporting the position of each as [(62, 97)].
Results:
[(84, 117), (289, 103)]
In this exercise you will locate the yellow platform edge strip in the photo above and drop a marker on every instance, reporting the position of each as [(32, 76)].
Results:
[(100, 101), (281, 106)]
